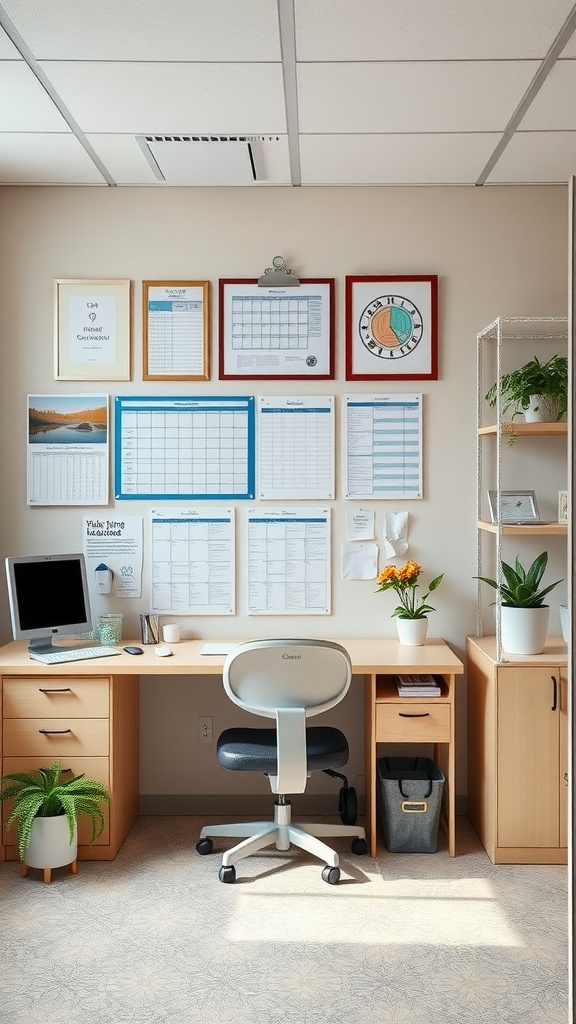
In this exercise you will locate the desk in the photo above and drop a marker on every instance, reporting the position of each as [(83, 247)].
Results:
[(92, 709)]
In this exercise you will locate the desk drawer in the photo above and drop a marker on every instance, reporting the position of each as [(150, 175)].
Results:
[(56, 697), (402, 723), (65, 737), (91, 767)]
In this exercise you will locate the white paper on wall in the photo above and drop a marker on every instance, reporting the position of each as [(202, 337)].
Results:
[(359, 560), (395, 534)]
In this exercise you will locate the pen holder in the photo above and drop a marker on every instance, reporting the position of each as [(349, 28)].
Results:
[(149, 629), (109, 629)]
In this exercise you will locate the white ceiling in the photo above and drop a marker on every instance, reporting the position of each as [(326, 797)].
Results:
[(308, 92)]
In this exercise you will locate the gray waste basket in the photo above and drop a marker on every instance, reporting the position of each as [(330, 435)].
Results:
[(410, 796)]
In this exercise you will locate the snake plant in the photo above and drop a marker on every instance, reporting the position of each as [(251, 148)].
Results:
[(520, 588), (43, 794)]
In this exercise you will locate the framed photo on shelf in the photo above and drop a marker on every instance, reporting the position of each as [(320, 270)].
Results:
[(392, 327), (176, 330), (516, 507), (91, 329), (269, 332)]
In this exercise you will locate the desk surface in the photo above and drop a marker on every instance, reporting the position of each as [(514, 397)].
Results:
[(368, 656)]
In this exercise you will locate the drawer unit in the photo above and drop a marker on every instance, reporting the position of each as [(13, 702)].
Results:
[(90, 724), (91, 767), (56, 697), (56, 737), (424, 722)]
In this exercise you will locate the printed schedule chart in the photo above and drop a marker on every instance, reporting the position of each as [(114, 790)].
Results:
[(185, 447), (193, 561), (289, 561), (383, 446), (296, 447)]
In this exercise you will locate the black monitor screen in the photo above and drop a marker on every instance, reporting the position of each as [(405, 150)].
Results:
[(47, 594)]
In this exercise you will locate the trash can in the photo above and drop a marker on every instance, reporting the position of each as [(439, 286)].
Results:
[(410, 797)]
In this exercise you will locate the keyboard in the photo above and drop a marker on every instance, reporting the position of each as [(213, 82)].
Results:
[(64, 654)]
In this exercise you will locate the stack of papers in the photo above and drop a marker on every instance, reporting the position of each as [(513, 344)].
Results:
[(418, 686)]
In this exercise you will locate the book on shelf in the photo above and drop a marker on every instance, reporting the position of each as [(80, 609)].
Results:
[(424, 685)]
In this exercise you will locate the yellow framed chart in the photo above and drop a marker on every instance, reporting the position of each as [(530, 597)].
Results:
[(91, 329), (175, 319)]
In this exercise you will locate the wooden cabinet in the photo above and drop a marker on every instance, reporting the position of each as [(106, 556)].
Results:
[(91, 724), (517, 747)]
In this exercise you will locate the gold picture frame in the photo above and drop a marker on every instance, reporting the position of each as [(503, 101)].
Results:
[(92, 329), (176, 330)]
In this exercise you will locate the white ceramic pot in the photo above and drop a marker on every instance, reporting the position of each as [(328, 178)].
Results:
[(50, 845), (524, 629), (542, 409), (412, 632)]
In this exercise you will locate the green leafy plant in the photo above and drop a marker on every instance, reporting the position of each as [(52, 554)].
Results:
[(404, 582), (534, 378), (520, 588), (43, 794)]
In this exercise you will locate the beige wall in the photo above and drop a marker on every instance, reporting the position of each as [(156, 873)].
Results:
[(497, 251)]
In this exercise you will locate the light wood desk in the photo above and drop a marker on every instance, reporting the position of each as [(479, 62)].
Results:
[(87, 712)]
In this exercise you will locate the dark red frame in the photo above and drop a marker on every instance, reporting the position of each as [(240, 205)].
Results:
[(274, 376), (351, 339)]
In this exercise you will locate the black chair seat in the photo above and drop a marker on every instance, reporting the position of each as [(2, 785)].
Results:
[(254, 750)]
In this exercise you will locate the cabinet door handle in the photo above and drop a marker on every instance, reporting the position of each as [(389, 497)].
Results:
[(55, 732), (416, 714), (59, 689), (555, 692)]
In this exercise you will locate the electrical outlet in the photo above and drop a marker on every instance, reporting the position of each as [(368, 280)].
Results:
[(205, 729)]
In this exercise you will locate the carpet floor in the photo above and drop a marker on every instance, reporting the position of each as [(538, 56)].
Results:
[(154, 937)]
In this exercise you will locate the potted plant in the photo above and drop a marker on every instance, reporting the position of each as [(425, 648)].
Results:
[(539, 390), (411, 613), (524, 616), (46, 810)]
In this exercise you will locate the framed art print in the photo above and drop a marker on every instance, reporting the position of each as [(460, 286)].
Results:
[(91, 329), (392, 327)]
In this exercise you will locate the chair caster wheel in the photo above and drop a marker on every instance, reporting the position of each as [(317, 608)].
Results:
[(348, 805), (227, 874), (204, 846), (359, 846), (331, 875)]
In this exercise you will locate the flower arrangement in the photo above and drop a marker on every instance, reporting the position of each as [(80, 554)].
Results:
[(404, 582)]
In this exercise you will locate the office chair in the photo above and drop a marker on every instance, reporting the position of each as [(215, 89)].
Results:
[(289, 681)]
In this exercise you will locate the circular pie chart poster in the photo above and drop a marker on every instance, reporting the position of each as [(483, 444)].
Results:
[(391, 328)]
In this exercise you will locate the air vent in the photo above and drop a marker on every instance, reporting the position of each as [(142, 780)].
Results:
[(204, 159)]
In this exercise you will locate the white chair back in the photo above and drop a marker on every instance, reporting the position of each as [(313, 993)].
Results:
[(263, 676)]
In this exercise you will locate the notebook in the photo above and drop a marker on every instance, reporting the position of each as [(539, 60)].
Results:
[(217, 648)]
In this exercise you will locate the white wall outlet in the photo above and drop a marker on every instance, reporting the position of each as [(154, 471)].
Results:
[(205, 729)]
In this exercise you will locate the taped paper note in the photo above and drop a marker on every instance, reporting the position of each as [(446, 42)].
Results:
[(359, 560), (395, 534)]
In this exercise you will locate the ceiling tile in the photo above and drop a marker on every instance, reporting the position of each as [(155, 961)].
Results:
[(367, 30), (428, 97), (554, 107), (536, 158), (169, 99), (395, 159), (25, 106), (33, 159), (214, 30)]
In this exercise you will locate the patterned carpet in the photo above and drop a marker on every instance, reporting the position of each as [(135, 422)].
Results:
[(154, 938)]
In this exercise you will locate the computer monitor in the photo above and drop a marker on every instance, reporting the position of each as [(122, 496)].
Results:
[(48, 597)]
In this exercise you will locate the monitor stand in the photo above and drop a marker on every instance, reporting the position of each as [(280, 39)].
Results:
[(40, 645)]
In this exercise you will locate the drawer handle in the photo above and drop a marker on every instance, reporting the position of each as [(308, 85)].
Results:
[(415, 714), (555, 693), (59, 689), (55, 732)]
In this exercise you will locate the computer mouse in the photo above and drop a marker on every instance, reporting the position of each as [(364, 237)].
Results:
[(134, 650), (162, 652)]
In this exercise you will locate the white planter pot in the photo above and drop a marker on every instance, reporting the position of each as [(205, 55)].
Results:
[(412, 632), (524, 629), (542, 409), (50, 845)]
